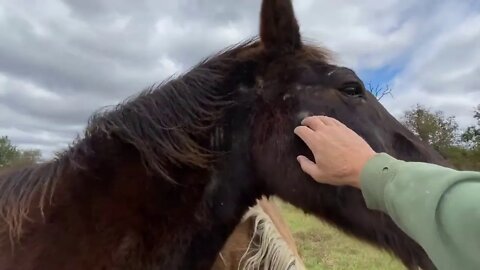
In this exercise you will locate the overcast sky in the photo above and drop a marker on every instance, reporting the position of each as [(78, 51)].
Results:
[(62, 60)]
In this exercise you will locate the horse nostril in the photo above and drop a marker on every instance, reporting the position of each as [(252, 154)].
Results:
[(302, 115)]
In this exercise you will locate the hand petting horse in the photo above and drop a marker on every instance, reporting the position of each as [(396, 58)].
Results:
[(162, 180)]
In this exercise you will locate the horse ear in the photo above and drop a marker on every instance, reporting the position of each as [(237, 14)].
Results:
[(279, 31)]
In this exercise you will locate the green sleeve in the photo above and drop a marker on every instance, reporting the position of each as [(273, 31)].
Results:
[(437, 206)]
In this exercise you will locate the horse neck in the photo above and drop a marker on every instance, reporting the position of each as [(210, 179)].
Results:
[(232, 189)]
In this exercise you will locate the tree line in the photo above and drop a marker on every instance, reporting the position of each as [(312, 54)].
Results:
[(460, 146), (11, 155)]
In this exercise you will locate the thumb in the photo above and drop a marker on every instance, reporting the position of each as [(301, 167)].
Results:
[(309, 167)]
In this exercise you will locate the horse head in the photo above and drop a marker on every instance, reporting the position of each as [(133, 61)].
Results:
[(294, 80)]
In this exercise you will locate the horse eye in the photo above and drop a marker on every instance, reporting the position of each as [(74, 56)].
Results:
[(353, 90)]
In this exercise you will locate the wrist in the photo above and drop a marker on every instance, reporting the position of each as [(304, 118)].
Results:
[(356, 180)]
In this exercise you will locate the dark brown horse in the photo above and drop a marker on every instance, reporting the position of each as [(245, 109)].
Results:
[(162, 180)]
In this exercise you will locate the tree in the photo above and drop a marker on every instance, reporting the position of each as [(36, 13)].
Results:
[(472, 133), (10, 154), (438, 130), (443, 134)]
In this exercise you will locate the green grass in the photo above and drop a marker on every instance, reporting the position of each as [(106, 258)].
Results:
[(323, 247)]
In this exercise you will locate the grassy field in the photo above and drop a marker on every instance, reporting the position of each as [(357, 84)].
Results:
[(325, 248)]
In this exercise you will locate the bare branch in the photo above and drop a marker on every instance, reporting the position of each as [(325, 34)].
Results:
[(379, 92)]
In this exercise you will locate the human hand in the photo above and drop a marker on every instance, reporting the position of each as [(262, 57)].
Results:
[(340, 154)]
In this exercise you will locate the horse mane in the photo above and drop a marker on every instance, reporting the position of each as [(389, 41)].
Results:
[(18, 188), (268, 249), (164, 125)]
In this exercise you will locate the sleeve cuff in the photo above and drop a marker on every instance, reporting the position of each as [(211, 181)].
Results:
[(377, 173)]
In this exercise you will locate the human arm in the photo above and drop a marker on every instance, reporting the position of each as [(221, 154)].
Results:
[(436, 206)]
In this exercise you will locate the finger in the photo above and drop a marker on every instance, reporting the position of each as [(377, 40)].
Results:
[(313, 122), (334, 122), (307, 135), (309, 167), (326, 120), (329, 121)]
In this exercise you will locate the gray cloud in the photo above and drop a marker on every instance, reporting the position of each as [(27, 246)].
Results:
[(60, 60), (445, 73)]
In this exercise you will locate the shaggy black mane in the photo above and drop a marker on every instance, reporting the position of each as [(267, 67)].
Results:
[(166, 122), (164, 125)]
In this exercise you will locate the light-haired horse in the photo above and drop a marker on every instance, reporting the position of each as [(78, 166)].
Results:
[(261, 241)]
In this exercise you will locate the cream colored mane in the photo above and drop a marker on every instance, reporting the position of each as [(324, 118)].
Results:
[(261, 241), (268, 248)]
